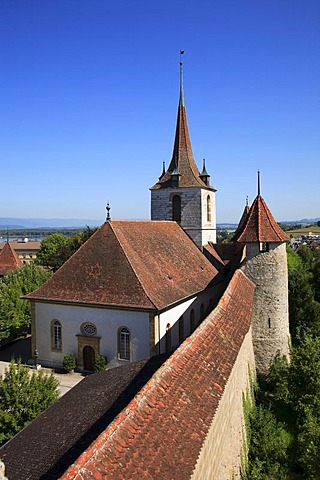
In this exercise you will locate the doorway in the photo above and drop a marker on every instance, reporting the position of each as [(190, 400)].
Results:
[(89, 358)]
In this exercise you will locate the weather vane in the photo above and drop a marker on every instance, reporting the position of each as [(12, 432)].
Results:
[(108, 208)]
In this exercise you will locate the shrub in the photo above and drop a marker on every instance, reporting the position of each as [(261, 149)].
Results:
[(100, 363), (69, 362)]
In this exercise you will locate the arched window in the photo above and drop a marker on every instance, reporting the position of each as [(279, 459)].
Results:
[(168, 338), (181, 329), (124, 344), (192, 321), (56, 335), (176, 208), (209, 208)]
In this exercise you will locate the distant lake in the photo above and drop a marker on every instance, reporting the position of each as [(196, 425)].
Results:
[(20, 239)]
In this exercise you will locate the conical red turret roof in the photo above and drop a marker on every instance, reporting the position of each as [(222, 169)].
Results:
[(242, 223), (9, 260), (259, 226), (182, 161)]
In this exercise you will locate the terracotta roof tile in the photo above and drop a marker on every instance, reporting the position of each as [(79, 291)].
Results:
[(242, 222), (260, 226), (131, 264), (55, 439), (163, 428), (30, 245), (9, 260)]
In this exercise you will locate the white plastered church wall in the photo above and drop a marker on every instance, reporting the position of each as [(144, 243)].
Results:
[(107, 322)]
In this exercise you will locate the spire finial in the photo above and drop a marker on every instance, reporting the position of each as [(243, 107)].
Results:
[(258, 183), (7, 235), (108, 208), (247, 200), (181, 80)]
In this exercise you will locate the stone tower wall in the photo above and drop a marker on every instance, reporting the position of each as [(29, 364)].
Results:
[(193, 211), (270, 319)]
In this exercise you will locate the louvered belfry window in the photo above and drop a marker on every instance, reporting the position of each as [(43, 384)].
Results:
[(176, 208)]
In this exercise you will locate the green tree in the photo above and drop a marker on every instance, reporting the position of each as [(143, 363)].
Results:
[(100, 364), (269, 447), (69, 362), (14, 311), (23, 396), (54, 251), (57, 248), (304, 310)]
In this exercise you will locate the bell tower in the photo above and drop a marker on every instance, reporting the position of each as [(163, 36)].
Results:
[(266, 266), (182, 193)]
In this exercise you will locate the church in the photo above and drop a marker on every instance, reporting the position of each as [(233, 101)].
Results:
[(186, 321)]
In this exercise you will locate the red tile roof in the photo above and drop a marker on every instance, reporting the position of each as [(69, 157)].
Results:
[(225, 253), (131, 264), (242, 222), (161, 432), (182, 157), (9, 260), (260, 226), (30, 245)]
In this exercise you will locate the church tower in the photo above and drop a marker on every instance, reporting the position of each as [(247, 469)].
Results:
[(266, 266), (183, 194)]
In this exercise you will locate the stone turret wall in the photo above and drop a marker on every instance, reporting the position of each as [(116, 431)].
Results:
[(193, 211), (270, 321)]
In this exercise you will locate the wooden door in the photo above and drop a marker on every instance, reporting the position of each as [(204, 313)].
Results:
[(89, 358)]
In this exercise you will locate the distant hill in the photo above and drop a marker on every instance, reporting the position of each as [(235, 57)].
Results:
[(304, 220), (25, 223)]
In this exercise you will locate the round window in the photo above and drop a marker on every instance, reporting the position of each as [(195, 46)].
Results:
[(89, 329)]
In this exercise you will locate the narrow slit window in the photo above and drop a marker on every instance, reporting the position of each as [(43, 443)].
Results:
[(209, 209)]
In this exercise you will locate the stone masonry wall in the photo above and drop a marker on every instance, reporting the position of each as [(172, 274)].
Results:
[(193, 211), (270, 319), (220, 457)]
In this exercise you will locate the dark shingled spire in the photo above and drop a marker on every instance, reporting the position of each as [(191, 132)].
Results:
[(182, 162)]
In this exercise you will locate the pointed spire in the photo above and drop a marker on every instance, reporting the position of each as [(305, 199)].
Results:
[(242, 222), (163, 169), (108, 208), (258, 183), (181, 100), (182, 162), (204, 175), (260, 225)]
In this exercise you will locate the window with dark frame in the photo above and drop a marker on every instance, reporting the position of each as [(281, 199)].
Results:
[(124, 344), (56, 336)]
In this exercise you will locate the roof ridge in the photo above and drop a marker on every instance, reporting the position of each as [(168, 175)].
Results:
[(131, 266), (270, 217), (165, 377)]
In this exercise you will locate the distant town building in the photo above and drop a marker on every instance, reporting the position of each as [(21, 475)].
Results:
[(26, 250)]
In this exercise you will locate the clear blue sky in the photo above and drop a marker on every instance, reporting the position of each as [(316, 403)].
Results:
[(89, 94)]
